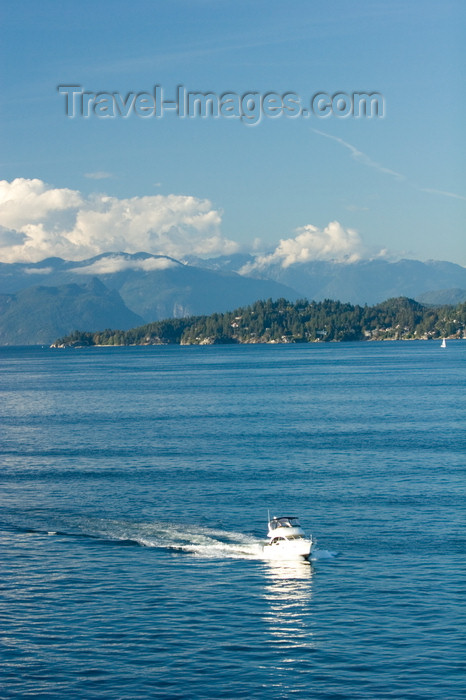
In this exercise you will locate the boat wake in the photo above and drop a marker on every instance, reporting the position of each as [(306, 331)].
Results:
[(200, 541), (194, 540)]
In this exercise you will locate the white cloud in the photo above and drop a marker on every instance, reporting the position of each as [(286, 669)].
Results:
[(333, 243), (38, 270), (40, 221), (118, 263), (24, 202)]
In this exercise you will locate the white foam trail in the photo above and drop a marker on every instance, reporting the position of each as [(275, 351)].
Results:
[(202, 542), (196, 540), (222, 550), (322, 554), (191, 539)]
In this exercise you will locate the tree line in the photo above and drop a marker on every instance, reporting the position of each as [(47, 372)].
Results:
[(282, 321)]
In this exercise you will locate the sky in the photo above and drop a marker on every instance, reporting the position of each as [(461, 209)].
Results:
[(328, 184)]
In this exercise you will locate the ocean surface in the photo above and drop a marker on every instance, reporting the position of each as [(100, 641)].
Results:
[(134, 489)]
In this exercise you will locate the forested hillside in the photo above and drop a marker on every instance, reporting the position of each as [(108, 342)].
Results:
[(285, 322)]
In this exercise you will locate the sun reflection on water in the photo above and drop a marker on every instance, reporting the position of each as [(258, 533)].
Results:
[(288, 592)]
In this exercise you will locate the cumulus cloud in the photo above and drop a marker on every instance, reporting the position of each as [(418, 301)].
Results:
[(39, 221), (28, 202), (333, 243)]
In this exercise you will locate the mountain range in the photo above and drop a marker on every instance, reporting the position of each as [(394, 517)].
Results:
[(44, 300)]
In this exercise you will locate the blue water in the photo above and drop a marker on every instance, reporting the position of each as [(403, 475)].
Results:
[(134, 490)]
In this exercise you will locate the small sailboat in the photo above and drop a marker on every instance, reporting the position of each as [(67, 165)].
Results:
[(444, 343)]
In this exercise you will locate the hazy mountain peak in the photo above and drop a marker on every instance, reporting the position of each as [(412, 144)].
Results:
[(156, 287)]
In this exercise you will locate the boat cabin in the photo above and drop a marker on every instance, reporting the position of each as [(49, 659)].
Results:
[(284, 522), (286, 528)]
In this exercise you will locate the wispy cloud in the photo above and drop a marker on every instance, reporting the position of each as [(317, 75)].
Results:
[(99, 175), (360, 156), (366, 160), (442, 193), (38, 270), (355, 207)]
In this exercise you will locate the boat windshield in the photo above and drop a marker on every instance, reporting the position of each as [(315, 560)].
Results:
[(284, 522)]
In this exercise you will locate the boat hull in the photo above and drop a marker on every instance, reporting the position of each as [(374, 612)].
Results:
[(294, 550)]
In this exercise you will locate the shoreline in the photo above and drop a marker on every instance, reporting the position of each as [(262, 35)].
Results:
[(53, 346)]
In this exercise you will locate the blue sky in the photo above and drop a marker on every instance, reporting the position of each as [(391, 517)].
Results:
[(398, 182)]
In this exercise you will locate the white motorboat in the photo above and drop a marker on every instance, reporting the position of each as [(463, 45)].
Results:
[(287, 540), (444, 343)]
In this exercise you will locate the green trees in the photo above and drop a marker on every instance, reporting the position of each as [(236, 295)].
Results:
[(284, 322)]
